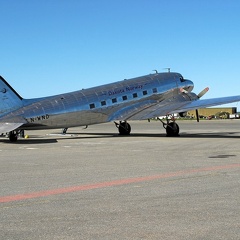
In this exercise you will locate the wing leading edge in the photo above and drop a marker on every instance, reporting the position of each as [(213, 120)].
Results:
[(204, 103), (170, 107)]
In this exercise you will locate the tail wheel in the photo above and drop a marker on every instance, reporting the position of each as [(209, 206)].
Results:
[(124, 128), (172, 129)]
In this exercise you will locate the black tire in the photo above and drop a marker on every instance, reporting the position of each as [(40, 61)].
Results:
[(13, 137), (172, 129), (124, 128)]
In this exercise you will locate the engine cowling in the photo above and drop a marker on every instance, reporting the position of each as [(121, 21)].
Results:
[(183, 114)]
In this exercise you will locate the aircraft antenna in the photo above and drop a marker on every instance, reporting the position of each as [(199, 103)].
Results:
[(169, 69), (155, 70)]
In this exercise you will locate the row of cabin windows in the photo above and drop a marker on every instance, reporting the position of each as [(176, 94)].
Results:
[(124, 98)]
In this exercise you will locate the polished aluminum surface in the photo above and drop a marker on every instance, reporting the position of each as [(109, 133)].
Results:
[(134, 99)]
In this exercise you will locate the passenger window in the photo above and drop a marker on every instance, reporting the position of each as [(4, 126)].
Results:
[(92, 105), (103, 103), (124, 98), (114, 100), (135, 95), (154, 90), (145, 92)]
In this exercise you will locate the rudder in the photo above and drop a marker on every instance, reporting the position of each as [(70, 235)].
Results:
[(9, 99)]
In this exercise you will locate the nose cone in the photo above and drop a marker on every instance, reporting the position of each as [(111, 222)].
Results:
[(188, 85)]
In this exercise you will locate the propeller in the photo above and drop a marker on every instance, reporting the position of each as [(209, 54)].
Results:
[(203, 92), (199, 96)]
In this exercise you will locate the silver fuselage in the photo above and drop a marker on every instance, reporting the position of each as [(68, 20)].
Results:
[(124, 100)]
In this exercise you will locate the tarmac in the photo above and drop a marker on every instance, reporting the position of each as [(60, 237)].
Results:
[(94, 184)]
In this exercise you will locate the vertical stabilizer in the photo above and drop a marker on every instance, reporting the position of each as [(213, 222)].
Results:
[(9, 98)]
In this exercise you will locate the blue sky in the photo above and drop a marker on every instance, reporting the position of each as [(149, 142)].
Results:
[(55, 46)]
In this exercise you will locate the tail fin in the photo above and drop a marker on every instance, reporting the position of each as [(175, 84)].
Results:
[(9, 98)]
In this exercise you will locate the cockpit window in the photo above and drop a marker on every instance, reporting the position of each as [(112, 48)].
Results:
[(182, 79)]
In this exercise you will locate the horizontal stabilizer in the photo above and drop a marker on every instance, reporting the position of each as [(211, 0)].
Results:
[(8, 127)]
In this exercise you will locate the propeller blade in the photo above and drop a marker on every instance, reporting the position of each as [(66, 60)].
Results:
[(203, 92), (199, 96), (182, 90)]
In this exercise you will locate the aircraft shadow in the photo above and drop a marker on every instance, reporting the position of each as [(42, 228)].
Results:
[(69, 136), (156, 135), (30, 141), (228, 135)]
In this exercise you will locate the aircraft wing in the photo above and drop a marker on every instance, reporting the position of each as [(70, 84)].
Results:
[(169, 107), (205, 103)]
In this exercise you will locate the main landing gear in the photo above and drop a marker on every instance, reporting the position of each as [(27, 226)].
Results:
[(123, 127), (172, 128)]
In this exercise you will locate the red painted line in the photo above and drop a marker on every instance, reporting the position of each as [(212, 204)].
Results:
[(46, 193)]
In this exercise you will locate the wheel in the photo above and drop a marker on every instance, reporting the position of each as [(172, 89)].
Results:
[(124, 128), (172, 129), (64, 130), (13, 137)]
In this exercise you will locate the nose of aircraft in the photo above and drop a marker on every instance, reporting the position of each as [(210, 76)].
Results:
[(188, 85)]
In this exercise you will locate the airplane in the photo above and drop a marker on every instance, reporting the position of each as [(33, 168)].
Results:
[(145, 97)]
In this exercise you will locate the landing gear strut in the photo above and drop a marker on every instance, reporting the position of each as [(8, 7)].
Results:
[(64, 131), (172, 128), (123, 127)]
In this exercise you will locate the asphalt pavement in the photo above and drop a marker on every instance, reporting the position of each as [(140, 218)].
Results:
[(94, 184)]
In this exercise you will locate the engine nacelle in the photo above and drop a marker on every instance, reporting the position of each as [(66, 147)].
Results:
[(183, 114)]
